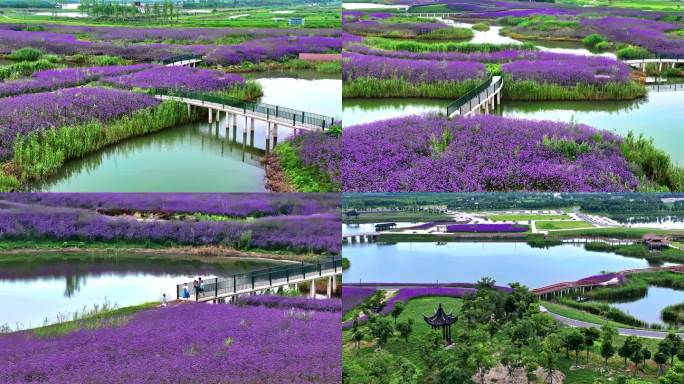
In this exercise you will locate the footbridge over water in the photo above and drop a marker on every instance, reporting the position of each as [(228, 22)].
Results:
[(483, 98), (581, 286), (661, 62), (273, 115), (189, 60), (220, 289), (665, 87), (365, 237)]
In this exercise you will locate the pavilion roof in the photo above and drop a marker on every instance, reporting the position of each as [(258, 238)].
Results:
[(440, 318)]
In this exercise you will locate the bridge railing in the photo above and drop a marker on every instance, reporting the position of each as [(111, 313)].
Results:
[(269, 111), (261, 279), (174, 59), (470, 95)]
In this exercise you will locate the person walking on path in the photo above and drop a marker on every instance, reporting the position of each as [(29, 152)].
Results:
[(164, 300), (186, 291), (196, 288), (201, 284)]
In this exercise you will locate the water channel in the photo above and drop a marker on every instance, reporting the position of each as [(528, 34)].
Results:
[(198, 157), (648, 308), (46, 286), (657, 116)]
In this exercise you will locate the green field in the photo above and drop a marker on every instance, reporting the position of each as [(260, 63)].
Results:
[(410, 217), (655, 5), (525, 217), (577, 314), (556, 225)]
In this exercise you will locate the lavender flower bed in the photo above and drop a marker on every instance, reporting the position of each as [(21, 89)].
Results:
[(353, 296), (404, 30), (204, 35), (312, 233), (322, 151), (603, 278), (406, 294), (570, 72), (487, 228), (273, 48), (177, 78), (504, 56), (65, 44), (21, 115), (649, 34), (415, 71), (322, 305), (431, 153), (185, 343), (54, 79), (226, 204)]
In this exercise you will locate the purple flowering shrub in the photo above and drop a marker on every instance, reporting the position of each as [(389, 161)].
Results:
[(487, 228), (649, 34), (357, 66), (353, 296), (177, 77), (53, 79), (432, 153), (273, 48), (323, 305), (569, 72), (317, 149), (185, 343), (225, 204), (21, 115), (297, 233)]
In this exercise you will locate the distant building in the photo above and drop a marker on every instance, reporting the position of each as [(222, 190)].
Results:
[(653, 241), (295, 21), (385, 226)]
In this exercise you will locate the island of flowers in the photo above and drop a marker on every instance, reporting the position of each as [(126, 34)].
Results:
[(293, 342), (487, 228), (289, 222)]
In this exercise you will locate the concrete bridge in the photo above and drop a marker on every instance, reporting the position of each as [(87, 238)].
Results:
[(483, 98), (365, 237), (671, 87), (273, 115), (581, 286), (642, 63), (221, 289), (435, 15), (189, 60), (592, 239)]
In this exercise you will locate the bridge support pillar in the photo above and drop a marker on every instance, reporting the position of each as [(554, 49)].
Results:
[(334, 283), (189, 110), (329, 288), (234, 121), (498, 98), (275, 134), (660, 67), (210, 115), (244, 133), (312, 290), (227, 125), (268, 137)]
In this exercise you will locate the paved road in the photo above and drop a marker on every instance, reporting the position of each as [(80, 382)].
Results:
[(622, 331)]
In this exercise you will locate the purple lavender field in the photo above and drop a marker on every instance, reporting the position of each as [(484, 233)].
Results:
[(289, 222), (185, 343)]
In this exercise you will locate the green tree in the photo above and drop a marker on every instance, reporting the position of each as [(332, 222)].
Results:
[(574, 341), (406, 373), (381, 329), (397, 310), (405, 328), (675, 346), (607, 351), (590, 336), (548, 357), (675, 375), (357, 335), (480, 357), (660, 358)]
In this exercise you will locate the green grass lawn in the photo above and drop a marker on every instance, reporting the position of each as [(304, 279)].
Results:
[(554, 225), (577, 314), (526, 217), (620, 232)]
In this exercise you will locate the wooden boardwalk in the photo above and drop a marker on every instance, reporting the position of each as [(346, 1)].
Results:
[(483, 98)]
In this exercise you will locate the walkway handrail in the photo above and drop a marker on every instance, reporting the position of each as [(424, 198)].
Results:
[(271, 112), (262, 278), (188, 56), (463, 100)]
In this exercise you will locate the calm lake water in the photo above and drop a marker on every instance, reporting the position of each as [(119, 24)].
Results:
[(198, 157), (348, 229), (31, 292), (648, 308), (506, 262)]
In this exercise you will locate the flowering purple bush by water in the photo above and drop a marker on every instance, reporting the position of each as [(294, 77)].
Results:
[(21, 115), (487, 228), (225, 204), (645, 33), (357, 66), (322, 151), (273, 48), (353, 296), (569, 72), (177, 77), (185, 343), (53, 79), (312, 233), (481, 153), (323, 305)]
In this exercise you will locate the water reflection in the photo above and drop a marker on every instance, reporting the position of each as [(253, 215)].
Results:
[(38, 287)]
